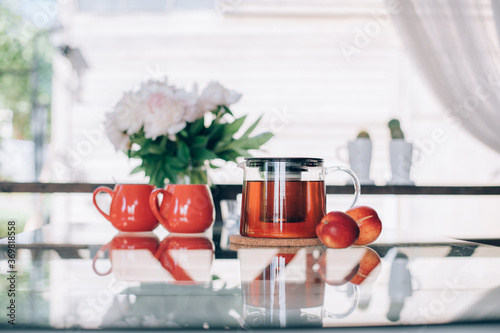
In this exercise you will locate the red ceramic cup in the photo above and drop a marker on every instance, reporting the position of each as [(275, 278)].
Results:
[(184, 208), (129, 210)]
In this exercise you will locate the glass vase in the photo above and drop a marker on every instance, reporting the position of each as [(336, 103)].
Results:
[(193, 175)]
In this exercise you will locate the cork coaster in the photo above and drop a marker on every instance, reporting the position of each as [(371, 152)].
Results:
[(280, 249), (273, 242)]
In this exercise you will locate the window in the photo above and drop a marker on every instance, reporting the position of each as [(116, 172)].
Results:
[(320, 72), (120, 6)]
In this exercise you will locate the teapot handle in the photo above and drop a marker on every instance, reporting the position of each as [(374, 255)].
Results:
[(351, 309), (355, 180)]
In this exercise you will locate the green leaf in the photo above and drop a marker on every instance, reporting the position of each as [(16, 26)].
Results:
[(156, 177), (222, 145), (216, 110), (231, 128), (175, 163), (169, 173), (215, 134), (251, 128), (229, 155), (196, 126), (214, 166), (199, 141), (155, 149), (243, 153), (137, 169), (227, 134), (202, 154), (226, 109), (141, 141), (163, 142), (256, 141), (133, 154), (182, 151), (198, 177)]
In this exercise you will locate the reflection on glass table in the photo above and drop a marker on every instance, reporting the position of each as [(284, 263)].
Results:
[(231, 213), (178, 259), (287, 287), (140, 280)]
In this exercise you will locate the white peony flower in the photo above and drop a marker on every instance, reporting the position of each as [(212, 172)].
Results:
[(118, 137), (215, 94), (127, 114), (193, 109), (154, 86), (162, 109), (166, 110)]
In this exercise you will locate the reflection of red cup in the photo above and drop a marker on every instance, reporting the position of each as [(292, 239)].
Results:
[(129, 209), (135, 241), (184, 208), (132, 242), (186, 258)]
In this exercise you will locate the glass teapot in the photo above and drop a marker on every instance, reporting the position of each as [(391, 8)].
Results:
[(285, 197)]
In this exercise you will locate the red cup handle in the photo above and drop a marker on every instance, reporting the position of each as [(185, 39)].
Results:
[(103, 189), (154, 205), (102, 249), (179, 274)]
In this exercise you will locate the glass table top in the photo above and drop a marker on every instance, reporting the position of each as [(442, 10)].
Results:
[(172, 281)]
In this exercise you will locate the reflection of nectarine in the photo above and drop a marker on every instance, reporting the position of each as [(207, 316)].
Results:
[(337, 230), (337, 267), (369, 224), (369, 265)]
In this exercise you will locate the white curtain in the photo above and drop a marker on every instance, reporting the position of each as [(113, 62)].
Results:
[(454, 43)]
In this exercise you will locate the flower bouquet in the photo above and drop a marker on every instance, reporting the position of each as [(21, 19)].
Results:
[(177, 133)]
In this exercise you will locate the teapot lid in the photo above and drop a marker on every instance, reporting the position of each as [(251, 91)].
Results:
[(298, 161), (287, 164)]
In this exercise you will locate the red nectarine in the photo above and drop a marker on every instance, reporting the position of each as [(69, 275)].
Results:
[(337, 230), (368, 222)]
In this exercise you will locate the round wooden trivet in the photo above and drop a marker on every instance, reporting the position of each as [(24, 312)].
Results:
[(273, 242)]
